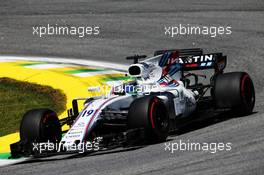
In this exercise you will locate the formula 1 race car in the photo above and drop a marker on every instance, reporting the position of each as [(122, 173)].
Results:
[(164, 94)]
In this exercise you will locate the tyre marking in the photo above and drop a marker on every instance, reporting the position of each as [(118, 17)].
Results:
[(151, 113), (242, 85)]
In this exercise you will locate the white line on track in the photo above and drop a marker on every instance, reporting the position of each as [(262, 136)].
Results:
[(88, 74), (45, 66), (75, 61), (5, 162)]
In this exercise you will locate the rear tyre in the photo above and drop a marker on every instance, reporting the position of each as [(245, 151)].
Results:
[(40, 125), (234, 90), (151, 114)]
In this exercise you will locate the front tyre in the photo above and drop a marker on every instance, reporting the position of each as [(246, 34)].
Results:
[(151, 114), (40, 125)]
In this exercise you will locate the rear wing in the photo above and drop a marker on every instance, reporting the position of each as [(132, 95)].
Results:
[(215, 61), (182, 52), (193, 59)]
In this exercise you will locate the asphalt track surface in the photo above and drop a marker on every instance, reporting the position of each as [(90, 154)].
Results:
[(129, 27)]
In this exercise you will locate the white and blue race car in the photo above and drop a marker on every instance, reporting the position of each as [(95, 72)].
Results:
[(166, 93)]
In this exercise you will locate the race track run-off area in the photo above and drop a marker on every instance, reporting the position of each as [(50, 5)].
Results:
[(137, 27), (73, 80)]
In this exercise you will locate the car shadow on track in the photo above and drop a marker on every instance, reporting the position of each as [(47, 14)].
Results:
[(196, 125), (81, 155), (203, 123)]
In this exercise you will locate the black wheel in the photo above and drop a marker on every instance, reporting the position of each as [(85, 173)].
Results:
[(40, 125), (151, 114), (234, 90)]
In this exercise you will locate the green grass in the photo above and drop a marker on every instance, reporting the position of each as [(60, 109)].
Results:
[(4, 155), (16, 97)]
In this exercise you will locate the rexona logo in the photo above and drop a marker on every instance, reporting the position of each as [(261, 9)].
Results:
[(196, 59)]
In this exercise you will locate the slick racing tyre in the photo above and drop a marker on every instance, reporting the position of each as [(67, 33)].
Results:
[(151, 114), (40, 125), (235, 90)]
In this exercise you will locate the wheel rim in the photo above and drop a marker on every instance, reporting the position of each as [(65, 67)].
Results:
[(50, 129)]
